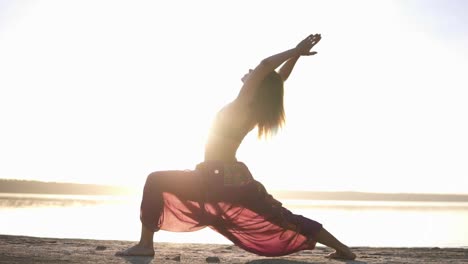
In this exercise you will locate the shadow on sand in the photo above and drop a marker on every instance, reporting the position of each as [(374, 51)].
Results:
[(285, 261), (138, 260), (148, 260)]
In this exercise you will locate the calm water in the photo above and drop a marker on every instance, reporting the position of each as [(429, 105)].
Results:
[(357, 223)]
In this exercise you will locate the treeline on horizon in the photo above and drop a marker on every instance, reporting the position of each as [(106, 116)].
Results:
[(38, 187)]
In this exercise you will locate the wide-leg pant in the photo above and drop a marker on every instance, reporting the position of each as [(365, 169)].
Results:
[(226, 198)]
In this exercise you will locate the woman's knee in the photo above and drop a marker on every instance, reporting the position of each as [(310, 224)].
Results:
[(154, 177), (163, 179), (153, 182)]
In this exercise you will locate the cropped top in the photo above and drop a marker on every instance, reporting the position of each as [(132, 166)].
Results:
[(225, 129), (226, 135)]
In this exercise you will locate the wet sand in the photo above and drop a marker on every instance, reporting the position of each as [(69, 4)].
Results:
[(27, 250)]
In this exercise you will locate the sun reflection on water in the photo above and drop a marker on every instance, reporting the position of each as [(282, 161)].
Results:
[(389, 224)]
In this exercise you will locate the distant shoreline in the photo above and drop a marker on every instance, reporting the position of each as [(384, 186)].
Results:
[(38, 187), (363, 196)]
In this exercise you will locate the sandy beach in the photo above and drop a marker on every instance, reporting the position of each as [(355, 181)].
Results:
[(26, 250)]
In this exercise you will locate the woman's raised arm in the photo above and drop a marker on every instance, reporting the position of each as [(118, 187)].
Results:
[(288, 66), (253, 80)]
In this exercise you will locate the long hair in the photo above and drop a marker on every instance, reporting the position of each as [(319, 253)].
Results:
[(268, 105)]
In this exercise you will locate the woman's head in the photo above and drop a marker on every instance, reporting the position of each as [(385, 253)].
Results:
[(268, 105)]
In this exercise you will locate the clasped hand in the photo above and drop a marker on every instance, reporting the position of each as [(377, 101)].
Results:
[(304, 47)]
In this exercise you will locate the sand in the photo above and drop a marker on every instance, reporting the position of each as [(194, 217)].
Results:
[(20, 249)]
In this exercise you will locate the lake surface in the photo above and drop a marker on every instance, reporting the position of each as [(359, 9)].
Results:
[(356, 223)]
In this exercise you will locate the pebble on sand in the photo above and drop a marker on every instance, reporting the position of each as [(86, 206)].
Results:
[(213, 260)]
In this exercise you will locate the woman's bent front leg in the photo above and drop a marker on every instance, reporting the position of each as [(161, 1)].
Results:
[(180, 183), (144, 247), (185, 184)]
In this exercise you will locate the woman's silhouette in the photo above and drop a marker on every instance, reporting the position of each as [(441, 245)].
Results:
[(220, 192)]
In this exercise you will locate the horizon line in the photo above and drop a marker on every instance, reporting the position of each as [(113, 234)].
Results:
[(133, 189)]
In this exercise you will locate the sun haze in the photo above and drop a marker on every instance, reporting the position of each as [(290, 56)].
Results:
[(109, 91)]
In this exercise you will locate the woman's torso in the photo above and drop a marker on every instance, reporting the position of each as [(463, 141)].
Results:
[(231, 124)]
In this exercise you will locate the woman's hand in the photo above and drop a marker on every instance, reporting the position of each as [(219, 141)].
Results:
[(307, 44)]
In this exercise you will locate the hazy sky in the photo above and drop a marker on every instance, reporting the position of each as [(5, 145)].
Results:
[(109, 91)]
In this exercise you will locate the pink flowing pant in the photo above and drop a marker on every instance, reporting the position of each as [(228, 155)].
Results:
[(227, 199)]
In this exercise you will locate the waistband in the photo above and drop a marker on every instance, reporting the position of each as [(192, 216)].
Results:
[(234, 173)]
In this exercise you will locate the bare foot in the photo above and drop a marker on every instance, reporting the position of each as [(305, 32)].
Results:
[(342, 255), (137, 250)]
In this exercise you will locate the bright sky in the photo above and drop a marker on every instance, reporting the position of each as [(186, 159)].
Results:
[(109, 91)]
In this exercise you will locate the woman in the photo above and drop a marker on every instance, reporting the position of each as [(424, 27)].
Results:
[(221, 193)]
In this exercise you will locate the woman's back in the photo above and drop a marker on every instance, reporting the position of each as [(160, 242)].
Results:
[(231, 124)]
